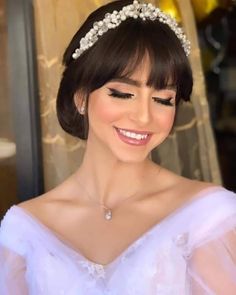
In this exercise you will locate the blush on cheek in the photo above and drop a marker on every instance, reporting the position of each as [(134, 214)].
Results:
[(166, 121), (104, 111)]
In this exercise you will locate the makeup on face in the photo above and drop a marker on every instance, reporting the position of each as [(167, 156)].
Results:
[(124, 88), (134, 117)]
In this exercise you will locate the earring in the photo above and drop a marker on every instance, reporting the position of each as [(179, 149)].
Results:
[(82, 109)]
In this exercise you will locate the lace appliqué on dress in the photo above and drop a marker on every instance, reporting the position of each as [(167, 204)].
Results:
[(181, 241), (94, 269)]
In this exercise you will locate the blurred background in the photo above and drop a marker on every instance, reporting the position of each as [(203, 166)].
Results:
[(36, 155)]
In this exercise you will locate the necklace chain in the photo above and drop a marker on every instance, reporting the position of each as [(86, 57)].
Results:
[(107, 211)]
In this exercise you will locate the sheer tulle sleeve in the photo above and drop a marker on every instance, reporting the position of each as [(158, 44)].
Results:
[(12, 273), (212, 264), (13, 248)]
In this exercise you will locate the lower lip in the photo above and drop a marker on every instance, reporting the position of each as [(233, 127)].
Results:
[(133, 141)]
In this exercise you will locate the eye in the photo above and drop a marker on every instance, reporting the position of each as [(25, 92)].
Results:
[(118, 94), (164, 101)]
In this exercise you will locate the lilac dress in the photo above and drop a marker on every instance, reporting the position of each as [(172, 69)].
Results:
[(191, 251)]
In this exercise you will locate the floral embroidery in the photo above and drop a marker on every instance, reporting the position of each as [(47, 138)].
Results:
[(94, 269), (181, 239)]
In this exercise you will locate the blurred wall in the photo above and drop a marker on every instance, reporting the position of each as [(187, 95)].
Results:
[(7, 158)]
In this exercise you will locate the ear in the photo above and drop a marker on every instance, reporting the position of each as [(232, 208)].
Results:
[(80, 102)]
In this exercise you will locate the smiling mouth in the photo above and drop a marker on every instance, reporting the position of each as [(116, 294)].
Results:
[(138, 135)]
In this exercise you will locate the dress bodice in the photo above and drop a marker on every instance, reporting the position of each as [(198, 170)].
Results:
[(164, 260)]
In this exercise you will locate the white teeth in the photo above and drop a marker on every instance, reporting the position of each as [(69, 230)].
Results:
[(133, 135)]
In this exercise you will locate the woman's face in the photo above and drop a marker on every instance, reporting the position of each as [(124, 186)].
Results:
[(128, 118)]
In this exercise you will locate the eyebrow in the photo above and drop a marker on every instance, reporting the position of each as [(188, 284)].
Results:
[(136, 83), (128, 81)]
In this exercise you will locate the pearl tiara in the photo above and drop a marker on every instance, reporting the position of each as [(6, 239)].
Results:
[(135, 10)]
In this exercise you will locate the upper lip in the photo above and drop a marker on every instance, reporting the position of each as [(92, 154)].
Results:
[(135, 131)]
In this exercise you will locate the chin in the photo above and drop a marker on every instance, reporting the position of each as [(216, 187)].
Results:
[(134, 154)]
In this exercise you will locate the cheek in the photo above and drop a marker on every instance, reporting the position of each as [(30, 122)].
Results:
[(104, 111), (165, 120)]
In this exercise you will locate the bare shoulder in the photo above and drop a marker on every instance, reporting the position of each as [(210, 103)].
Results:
[(48, 205), (60, 201), (184, 187), (54, 196), (190, 189), (195, 187), (45, 209), (38, 206)]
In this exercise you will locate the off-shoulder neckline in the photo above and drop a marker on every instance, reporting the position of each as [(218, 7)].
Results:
[(206, 192)]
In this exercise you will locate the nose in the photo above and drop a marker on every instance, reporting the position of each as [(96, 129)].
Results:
[(141, 112)]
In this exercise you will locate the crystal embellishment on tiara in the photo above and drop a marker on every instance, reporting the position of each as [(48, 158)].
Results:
[(135, 10)]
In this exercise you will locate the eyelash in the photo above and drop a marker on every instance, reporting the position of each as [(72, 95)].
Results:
[(166, 101), (117, 94)]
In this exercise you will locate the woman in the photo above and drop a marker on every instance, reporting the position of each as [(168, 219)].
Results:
[(122, 224)]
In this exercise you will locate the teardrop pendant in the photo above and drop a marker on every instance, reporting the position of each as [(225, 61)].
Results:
[(107, 214)]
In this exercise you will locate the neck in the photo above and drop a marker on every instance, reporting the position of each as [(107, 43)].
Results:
[(114, 181)]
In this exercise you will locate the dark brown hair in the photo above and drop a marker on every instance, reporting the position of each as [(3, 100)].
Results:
[(117, 54)]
